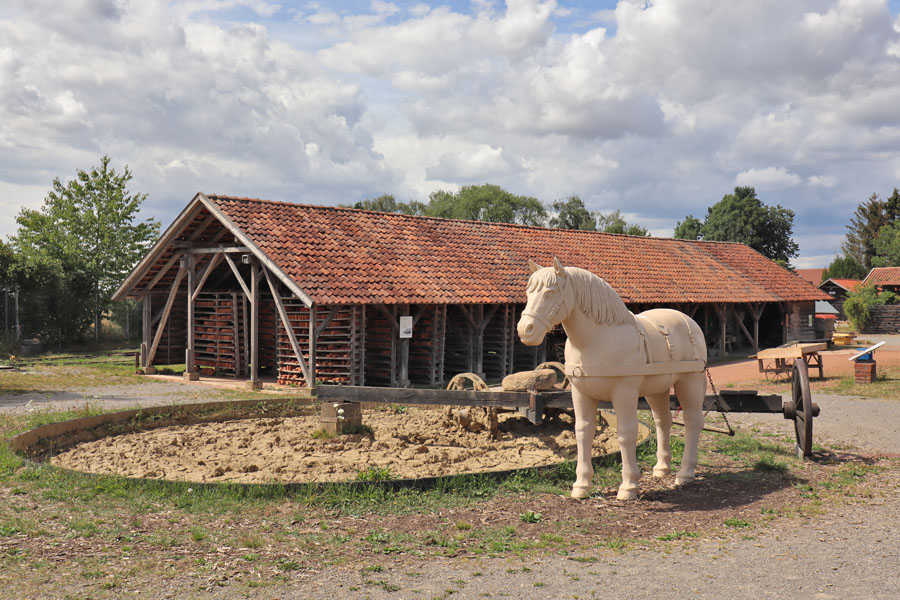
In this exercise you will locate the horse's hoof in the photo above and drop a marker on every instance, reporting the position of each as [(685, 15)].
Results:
[(683, 479), (580, 493), (661, 471), (627, 495)]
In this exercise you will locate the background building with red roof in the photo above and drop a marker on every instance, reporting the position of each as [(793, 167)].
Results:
[(814, 276), (304, 293), (839, 289)]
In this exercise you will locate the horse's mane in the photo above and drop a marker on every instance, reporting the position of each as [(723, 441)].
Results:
[(593, 296)]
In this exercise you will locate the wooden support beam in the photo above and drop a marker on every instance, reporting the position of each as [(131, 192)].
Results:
[(290, 330), (313, 336), (332, 313), (236, 328), (246, 333), (254, 323), (237, 275), (162, 272), (747, 334), (210, 266), (722, 312), (146, 325), (218, 250), (202, 227), (756, 311), (190, 262), (404, 353), (165, 314), (389, 315)]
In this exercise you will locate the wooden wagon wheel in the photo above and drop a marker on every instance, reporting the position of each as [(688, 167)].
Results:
[(559, 367), (459, 382), (778, 370), (802, 408)]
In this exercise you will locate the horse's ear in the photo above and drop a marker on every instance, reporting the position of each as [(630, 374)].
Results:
[(533, 266), (557, 266)]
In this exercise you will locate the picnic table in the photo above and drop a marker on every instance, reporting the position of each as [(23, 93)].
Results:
[(777, 362)]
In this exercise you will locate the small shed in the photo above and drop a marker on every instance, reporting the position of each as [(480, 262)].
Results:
[(304, 294), (838, 290)]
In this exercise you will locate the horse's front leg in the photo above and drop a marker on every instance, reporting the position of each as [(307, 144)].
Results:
[(662, 416), (585, 427), (624, 400)]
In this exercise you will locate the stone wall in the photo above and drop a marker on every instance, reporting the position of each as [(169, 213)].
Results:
[(883, 319)]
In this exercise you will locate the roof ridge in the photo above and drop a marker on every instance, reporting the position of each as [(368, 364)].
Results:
[(471, 221)]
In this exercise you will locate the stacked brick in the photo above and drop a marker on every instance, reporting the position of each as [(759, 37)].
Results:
[(217, 334), (339, 346)]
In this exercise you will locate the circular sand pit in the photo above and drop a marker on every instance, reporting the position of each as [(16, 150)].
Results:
[(404, 443)]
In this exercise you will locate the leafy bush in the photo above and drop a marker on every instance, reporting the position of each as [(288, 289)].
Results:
[(858, 303)]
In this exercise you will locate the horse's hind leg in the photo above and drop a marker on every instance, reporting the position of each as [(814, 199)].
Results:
[(662, 416), (585, 427), (691, 390)]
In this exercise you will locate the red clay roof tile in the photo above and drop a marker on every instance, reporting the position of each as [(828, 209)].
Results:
[(346, 256)]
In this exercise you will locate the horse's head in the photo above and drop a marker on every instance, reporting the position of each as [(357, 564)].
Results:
[(550, 298)]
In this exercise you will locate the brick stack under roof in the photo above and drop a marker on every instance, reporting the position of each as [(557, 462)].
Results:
[(347, 256)]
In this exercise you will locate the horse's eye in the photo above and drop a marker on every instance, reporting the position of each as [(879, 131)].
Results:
[(548, 293)]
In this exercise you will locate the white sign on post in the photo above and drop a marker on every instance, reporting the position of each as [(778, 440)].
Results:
[(406, 327)]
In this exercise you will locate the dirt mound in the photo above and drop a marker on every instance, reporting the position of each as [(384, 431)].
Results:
[(405, 442)]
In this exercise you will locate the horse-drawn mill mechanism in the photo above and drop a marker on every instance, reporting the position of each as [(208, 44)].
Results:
[(614, 359)]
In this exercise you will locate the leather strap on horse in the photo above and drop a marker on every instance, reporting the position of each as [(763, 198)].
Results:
[(613, 370)]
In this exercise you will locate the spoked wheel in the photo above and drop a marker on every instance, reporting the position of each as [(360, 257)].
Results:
[(559, 367), (467, 381), (802, 408)]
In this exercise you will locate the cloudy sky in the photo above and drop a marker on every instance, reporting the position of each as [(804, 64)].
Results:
[(656, 108)]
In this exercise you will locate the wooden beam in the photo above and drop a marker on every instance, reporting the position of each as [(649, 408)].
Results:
[(237, 275), (287, 326), (219, 250), (165, 314), (212, 264), (246, 333), (254, 322), (404, 353), (190, 262), (331, 315), (313, 336), (740, 322), (389, 316), (162, 272), (202, 226), (147, 317), (236, 328)]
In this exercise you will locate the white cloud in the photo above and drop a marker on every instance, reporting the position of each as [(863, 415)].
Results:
[(826, 181), (653, 113), (767, 179)]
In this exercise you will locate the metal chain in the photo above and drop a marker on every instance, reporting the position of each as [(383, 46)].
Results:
[(718, 401)]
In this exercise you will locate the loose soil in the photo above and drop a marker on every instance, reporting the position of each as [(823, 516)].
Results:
[(403, 444)]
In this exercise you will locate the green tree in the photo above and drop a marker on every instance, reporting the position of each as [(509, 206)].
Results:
[(572, 214), (486, 202), (387, 203), (865, 227), (614, 222), (742, 217), (87, 234), (689, 229), (844, 267), (887, 246)]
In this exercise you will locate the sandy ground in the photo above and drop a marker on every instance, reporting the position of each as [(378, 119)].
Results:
[(414, 443)]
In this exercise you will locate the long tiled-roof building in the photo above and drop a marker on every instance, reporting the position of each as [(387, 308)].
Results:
[(303, 293)]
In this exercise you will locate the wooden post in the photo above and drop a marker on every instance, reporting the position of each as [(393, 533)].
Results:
[(756, 311), (404, 352), (246, 320), (722, 311), (311, 380), (254, 382), (236, 328), (146, 327), (190, 262)]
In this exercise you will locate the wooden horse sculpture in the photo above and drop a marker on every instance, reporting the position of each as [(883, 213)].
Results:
[(616, 356)]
